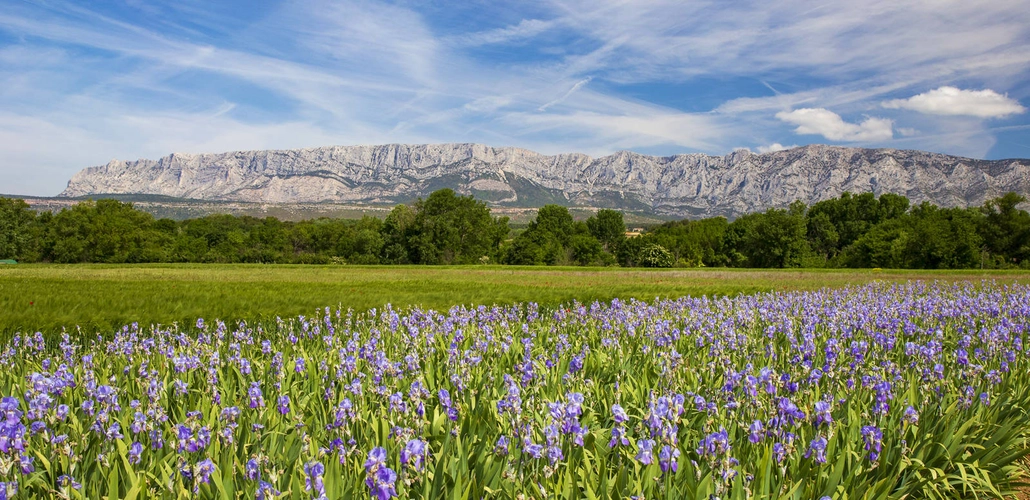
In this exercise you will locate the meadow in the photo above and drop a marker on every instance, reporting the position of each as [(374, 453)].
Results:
[(102, 297), (882, 390)]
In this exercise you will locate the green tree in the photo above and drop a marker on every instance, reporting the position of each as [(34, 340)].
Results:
[(928, 237), (555, 221), (608, 227), (851, 216), (943, 238), (655, 255), (366, 242), (547, 239), (17, 230), (884, 246), (103, 231), (693, 243), (267, 241), (525, 250), (1006, 230), (398, 230), (628, 254), (775, 238), (215, 238), (452, 229), (892, 206), (823, 238)]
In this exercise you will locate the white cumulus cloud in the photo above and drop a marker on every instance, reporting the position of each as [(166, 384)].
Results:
[(774, 147), (821, 121), (955, 101)]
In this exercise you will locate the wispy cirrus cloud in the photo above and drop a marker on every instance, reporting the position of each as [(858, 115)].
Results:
[(521, 32), (578, 85)]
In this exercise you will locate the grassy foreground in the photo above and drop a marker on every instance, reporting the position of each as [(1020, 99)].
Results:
[(48, 297)]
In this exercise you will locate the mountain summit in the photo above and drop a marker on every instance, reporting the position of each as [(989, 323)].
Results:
[(681, 186)]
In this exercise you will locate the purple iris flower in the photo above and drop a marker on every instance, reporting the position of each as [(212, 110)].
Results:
[(668, 458), (414, 454), (9, 405), (114, 431), (376, 459), (872, 436), (135, 452), (576, 364), (381, 483), (618, 437), (501, 448), (264, 490), (257, 399), (534, 450), (313, 472), (822, 413), (646, 453), (715, 444), (756, 432), (619, 414), (397, 403), (911, 415), (252, 470), (578, 434), (554, 454), (37, 427), (65, 481), (445, 398), (204, 470), (817, 448), (25, 463), (8, 490)]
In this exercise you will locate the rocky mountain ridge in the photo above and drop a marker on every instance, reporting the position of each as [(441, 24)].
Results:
[(689, 185)]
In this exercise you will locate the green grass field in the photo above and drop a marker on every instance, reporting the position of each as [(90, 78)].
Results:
[(99, 297)]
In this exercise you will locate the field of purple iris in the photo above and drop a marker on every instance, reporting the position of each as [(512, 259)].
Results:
[(879, 391)]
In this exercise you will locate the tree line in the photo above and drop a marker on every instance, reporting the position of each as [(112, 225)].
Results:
[(856, 231)]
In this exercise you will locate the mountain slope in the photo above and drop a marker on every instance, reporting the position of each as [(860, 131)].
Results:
[(682, 185)]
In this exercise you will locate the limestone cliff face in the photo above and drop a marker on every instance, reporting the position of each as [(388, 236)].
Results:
[(682, 185)]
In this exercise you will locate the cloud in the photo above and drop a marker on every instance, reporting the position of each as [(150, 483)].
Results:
[(387, 41), (527, 28), (43, 152), (830, 125), (95, 83), (488, 104), (884, 40), (954, 101), (604, 133), (774, 147), (566, 95)]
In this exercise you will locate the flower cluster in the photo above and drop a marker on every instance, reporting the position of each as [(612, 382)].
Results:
[(380, 479)]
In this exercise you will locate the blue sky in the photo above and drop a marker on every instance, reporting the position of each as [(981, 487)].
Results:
[(82, 83)]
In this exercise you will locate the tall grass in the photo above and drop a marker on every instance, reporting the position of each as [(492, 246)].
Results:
[(49, 297)]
